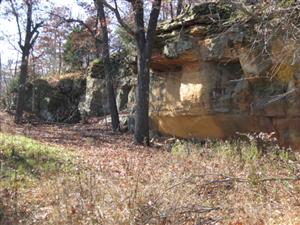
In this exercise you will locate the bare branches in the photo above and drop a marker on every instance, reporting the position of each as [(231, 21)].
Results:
[(16, 15), (34, 39), (72, 20), (153, 23), (37, 26), (179, 7), (116, 11), (35, 33), (31, 32)]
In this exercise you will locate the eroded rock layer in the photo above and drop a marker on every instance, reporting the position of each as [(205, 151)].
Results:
[(210, 81), (95, 99)]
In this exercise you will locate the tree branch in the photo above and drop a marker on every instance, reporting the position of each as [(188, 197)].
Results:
[(116, 11), (72, 20), (8, 38), (36, 27), (15, 13), (34, 39), (152, 24), (98, 16)]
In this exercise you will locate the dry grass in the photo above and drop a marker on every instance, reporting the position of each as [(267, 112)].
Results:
[(53, 79), (154, 187), (117, 182)]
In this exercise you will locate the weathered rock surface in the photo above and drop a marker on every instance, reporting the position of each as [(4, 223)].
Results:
[(55, 102), (95, 99), (73, 98), (209, 82)]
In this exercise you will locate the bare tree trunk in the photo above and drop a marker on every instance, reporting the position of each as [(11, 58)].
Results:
[(22, 82), (30, 37), (179, 7), (144, 46), (16, 65), (107, 69), (24, 66), (144, 37), (141, 133), (0, 77), (171, 10), (59, 58), (98, 45)]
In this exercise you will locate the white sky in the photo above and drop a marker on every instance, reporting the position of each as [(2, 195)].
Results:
[(9, 28)]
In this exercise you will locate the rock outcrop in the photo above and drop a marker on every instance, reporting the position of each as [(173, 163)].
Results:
[(209, 81), (74, 97), (55, 102), (95, 102)]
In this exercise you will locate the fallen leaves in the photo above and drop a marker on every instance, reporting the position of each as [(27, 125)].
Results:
[(117, 182)]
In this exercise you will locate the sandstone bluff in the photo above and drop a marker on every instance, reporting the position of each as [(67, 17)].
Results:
[(211, 80)]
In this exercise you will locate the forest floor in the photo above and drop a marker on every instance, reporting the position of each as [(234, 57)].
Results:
[(85, 174)]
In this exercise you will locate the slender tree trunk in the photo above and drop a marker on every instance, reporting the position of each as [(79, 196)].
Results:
[(179, 7), (141, 133), (22, 82), (59, 58), (171, 10), (16, 65), (28, 44), (144, 43), (144, 37), (98, 45), (0, 77), (107, 70), (54, 59), (164, 14)]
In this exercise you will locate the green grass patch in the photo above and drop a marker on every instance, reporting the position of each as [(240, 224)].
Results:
[(24, 161)]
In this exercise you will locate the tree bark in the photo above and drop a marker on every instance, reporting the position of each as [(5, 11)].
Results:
[(0, 77), (31, 34), (107, 69), (22, 81), (144, 42), (179, 7), (144, 46), (98, 45), (24, 65), (171, 10), (59, 57), (141, 133), (16, 65)]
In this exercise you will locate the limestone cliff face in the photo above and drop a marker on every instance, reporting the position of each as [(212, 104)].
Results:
[(95, 98), (208, 80)]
